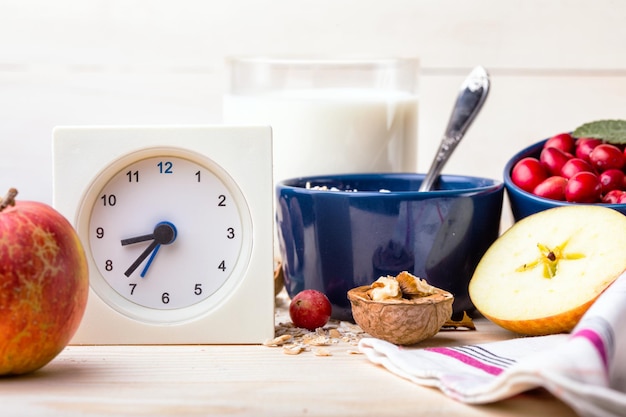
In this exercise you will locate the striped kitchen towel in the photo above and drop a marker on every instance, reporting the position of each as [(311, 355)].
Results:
[(586, 369)]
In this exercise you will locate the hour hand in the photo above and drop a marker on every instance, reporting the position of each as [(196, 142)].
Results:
[(137, 239), (164, 233)]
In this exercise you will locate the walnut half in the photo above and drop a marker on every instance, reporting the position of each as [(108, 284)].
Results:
[(415, 315)]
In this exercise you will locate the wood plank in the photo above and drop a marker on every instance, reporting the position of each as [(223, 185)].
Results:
[(243, 380)]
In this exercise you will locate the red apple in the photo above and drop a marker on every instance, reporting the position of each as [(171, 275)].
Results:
[(44, 284), (310, 309)]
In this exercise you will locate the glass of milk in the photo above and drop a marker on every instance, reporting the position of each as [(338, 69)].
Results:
[(329, 116)]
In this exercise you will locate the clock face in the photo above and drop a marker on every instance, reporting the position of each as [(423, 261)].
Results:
[(165, 232)]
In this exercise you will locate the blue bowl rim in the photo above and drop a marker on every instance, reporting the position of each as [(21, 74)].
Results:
[(491, 184), (533, 150)]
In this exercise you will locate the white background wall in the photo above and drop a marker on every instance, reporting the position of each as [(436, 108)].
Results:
[(554, 64)]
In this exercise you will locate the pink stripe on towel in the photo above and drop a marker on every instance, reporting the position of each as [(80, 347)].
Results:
[(597, 342), (467, 359)]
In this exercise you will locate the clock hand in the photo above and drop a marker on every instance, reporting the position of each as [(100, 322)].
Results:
[(141, 258), (164, 234), (145, 268), (137, 239)]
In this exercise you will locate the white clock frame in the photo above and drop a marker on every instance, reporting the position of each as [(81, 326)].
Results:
[(240, 312)]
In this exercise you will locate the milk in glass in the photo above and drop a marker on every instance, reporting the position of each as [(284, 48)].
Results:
[(333, 130)]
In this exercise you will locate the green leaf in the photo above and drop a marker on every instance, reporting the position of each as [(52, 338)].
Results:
[(612, 131)]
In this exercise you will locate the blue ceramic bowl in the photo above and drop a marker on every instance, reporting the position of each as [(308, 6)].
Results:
[(378, 225), (522, 202)]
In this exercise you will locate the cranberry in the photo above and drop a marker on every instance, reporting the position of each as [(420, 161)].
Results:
[(562, 141), (613, 196), (583, 187), (584, 146), (528, 173), (612, 179), (574, 166), (553, 159), (552, 187), (606, 156)]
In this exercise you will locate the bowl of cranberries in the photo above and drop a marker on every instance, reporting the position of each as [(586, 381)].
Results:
[(566, 169)]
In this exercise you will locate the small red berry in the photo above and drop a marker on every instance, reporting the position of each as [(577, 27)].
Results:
[(310, 309), (528, 173), (583, 187)]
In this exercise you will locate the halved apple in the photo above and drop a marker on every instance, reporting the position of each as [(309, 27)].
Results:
[(541, 275)]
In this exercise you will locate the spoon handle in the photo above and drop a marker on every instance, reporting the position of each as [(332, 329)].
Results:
[(472, 95)]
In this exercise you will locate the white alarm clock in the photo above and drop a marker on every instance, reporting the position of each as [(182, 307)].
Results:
[(177, 226)]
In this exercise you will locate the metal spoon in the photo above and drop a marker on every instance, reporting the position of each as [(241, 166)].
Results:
[(471, 97)]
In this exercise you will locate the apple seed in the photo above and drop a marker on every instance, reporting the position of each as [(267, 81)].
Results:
[(549, 259)]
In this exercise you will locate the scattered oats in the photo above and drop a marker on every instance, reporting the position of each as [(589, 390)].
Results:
[(352, 333), (349, 341), (322, 352), (316, 340), (290, 329), (278, 341), (347, 327), (334, 333), (354, 352), (292, 349)]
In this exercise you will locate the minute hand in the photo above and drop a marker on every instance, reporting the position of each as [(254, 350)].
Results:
[(141, 258)]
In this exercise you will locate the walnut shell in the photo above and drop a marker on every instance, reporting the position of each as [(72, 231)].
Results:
[(403, 321)]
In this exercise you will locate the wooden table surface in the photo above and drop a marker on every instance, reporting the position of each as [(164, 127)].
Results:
[(246, 380)]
